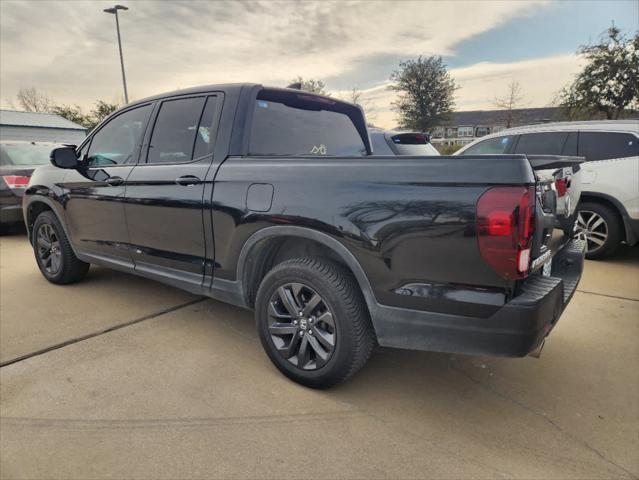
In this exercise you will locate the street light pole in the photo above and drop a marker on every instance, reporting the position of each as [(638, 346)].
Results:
[(114, 11)]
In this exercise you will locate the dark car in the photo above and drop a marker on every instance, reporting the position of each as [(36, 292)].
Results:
[(271, 199), (391, 142), (17, 162)]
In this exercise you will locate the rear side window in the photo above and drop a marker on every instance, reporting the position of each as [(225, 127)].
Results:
[(205, 138), (494, 146), (605, 145), (380, 147), (543, 143), (175, 130), (301, 124)]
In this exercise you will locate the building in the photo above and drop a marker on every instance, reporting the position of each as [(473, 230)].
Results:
[(39, 127), (464, 127)]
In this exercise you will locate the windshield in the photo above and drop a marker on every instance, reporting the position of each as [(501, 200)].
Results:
[(24, 154)]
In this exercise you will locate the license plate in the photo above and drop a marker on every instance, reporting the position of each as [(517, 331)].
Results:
[(547, 268)]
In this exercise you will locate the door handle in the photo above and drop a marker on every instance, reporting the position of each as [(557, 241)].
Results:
[(187, 180), (114, 181)]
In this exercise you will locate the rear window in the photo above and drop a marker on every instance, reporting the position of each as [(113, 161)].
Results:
[(286, 123), (489, 146), (25, 154), (413, 144), (605, 145)]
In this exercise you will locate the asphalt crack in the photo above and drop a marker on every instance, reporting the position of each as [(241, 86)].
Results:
[(609, 296), (548, 420), (81, 338)]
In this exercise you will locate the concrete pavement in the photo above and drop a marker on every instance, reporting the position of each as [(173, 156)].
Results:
[(188, 393)]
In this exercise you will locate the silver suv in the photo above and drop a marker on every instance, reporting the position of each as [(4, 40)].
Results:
[(609, 206)]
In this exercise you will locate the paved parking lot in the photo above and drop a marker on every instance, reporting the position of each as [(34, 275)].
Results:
[(123, 377)]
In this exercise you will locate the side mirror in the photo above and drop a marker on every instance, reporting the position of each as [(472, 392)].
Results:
[(64, 157)]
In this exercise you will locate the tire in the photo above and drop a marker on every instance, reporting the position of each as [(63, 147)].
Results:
[(601, 227), (347, 324), (56, 261)]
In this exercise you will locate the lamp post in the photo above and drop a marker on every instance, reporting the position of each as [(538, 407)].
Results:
[(114, 10)]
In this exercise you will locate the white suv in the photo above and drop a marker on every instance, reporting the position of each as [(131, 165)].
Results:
[(609, 206)]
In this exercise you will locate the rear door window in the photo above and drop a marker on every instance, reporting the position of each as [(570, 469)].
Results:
[(300, 124), (175, 130), (543, 143), (495, 146), (606, 145)]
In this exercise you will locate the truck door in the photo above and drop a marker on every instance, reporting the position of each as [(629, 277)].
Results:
[(165, 190), (95, 191)]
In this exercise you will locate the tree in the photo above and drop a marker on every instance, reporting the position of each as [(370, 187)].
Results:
[(89, 121), (609, 82), (72, 113), (510, 102), (426, 93), (30, 100), (311, 85)]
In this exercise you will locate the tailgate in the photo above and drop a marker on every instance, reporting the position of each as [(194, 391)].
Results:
[(558, 190)]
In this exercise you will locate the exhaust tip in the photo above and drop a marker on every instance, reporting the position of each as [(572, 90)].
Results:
[(536, 353)]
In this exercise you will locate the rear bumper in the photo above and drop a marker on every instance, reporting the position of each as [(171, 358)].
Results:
[(11, 214), (515, 330)]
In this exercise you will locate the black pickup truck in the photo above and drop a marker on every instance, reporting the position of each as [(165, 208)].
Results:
[(272, 199)]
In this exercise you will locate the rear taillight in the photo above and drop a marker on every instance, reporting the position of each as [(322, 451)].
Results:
[(505, 224), (561, 184), (16, 181)]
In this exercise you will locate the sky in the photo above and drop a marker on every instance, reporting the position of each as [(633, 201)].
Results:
[(68, 50)]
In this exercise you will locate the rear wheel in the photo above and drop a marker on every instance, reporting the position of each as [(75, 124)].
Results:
[(54, 254), (600, 227), (313, 321)]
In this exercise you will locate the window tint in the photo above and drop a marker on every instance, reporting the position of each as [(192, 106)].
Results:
[(544, 143), (174, 132), (495, 145), (205, 136), (119, 139), (300, 124), (380, 147), (604, 145), (570, 147)]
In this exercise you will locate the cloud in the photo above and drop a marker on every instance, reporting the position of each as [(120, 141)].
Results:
[(540, 79), (69, 49)]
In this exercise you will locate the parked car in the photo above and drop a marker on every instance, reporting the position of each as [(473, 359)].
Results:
[(270, 199), (609, 208), (17, 162), (390, 142)]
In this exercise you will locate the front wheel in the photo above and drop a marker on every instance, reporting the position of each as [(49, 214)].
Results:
[(54, 254), (313, 322), (600, 227)]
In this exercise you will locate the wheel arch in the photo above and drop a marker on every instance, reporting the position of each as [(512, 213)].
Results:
[(272, 245), (36, 206), (617, 207)]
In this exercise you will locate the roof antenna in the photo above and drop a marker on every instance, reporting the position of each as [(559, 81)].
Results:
[(295, 85)]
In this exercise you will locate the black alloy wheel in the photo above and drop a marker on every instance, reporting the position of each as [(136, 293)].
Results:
[(301, 326)]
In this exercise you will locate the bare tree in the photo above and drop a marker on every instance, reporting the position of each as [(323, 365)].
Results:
[(354, 95), (510, 102), (31, 100), (309, 85)]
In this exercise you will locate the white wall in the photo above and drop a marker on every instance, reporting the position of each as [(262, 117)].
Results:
[(36, 134)]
